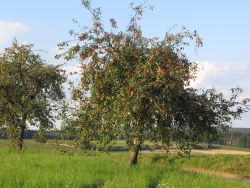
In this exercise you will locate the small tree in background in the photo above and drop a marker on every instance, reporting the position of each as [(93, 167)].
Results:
[(40, 136), (139, 87), (29, 89)]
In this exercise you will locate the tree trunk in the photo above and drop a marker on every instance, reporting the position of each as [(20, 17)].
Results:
[(20, 138), (134, 155)]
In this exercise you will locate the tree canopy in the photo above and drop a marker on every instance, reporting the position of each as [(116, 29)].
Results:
[(140, 87), (29, 90)]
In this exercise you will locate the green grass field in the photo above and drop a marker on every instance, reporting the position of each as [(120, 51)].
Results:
[(40, 165)]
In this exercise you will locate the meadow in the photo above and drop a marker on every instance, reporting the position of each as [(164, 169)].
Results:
[(42, 165)]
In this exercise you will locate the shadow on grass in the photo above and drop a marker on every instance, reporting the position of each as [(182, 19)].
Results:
[(97, 184), (154, 181), (165, 159)]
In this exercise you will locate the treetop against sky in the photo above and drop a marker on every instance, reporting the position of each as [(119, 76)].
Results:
[(224, 26)]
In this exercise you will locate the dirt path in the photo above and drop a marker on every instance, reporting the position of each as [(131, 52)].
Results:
[(220, 151), (207, 152)]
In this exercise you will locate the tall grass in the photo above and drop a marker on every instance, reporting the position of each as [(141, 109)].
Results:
[(44, 167)]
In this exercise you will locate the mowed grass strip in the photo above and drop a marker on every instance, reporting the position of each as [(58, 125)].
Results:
[(42, 166)]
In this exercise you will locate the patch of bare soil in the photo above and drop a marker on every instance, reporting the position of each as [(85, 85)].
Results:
[(219, 152)]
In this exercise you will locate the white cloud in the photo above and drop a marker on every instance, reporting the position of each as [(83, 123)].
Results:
[(72, 67), (73, 71), (222, 75), (11, 29)]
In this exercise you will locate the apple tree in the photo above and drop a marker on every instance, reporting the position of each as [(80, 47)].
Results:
[(140, 87)]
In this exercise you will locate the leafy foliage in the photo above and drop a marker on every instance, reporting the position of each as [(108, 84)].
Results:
[(29, 90), (139, 87)]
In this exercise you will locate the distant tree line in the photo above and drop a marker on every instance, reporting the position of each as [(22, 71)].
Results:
[(31, 134), (237, 137)]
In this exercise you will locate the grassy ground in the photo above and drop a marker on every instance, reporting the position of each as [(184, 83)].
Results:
[(43, 166)]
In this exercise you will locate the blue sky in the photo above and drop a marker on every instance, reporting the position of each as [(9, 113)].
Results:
[(223, 24)]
